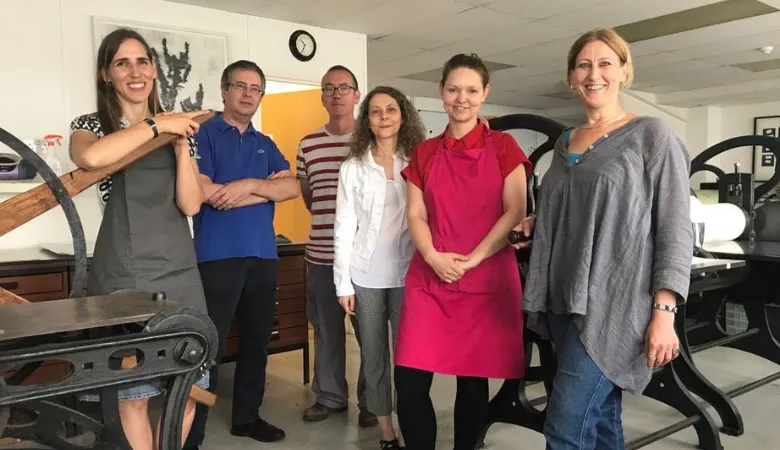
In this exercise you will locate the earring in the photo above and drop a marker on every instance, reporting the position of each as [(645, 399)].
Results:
[(110, 85)]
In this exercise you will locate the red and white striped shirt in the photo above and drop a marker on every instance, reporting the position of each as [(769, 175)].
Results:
[(320, 155)]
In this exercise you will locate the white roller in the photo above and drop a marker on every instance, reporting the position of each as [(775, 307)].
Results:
[(722, 221)]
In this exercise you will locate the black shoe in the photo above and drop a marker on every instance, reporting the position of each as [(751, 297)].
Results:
[(390, 445), (259, 430)]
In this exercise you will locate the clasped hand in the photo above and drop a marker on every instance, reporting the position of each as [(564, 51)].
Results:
[(450, 267)]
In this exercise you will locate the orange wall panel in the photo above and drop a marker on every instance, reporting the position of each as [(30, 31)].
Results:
[(288, 117)]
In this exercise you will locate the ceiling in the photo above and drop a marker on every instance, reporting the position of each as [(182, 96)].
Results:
[(686, 52)]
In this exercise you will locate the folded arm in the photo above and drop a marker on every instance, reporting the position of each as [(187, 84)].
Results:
[(210, 189), (281, 187)]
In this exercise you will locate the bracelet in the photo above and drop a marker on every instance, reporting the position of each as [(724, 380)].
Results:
[(153, 126), (665, 307)]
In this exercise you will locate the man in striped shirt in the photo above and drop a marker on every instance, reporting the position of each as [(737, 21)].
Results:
[(320, 155)]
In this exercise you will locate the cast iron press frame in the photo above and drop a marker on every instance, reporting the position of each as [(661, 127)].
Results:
[(172, 344)]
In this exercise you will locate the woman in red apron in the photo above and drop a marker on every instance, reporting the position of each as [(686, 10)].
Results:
[(461, 313)]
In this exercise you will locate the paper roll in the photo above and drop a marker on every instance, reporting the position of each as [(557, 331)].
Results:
[(722, 221)]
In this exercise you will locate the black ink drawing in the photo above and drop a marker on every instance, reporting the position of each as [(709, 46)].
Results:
[(173, 75)]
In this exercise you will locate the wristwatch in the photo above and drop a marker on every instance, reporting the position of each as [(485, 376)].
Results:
[(153, 126)]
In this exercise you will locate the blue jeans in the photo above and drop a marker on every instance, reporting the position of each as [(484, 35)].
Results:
[(584, 409)]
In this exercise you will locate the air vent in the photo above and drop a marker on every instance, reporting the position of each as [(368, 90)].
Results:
[(760, 66)]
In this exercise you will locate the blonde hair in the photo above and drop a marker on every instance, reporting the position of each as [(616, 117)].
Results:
[(613, 40)]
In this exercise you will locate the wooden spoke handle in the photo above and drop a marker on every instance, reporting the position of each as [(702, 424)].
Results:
[(26, 206)]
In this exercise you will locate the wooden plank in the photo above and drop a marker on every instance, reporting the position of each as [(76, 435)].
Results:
[(26, 206), (9, 298)]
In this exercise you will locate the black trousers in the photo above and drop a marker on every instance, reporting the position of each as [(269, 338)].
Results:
[(244, 288), (416, 416)]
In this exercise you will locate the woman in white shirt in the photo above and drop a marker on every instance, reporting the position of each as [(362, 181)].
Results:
[(372, 244)]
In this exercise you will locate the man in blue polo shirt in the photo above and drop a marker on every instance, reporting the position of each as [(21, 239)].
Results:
[(243, 175)]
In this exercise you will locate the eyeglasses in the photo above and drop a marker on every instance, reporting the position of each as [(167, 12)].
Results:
[(343, 89), (255, 90)]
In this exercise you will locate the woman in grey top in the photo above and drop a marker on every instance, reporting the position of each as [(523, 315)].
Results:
[(611, 252), (144, 242)]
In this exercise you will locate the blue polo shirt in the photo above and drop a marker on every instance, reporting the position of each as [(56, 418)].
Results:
[(225, 156)]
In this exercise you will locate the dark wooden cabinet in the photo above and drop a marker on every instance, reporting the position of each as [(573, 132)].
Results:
[(49, 279), (291, 328)]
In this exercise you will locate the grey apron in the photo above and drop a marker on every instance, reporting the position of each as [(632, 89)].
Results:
[(144, 242)]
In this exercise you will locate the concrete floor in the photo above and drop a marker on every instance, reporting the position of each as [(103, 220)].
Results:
[(287, 397)]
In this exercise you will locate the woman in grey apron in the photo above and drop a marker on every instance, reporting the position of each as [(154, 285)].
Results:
[(144, 242)]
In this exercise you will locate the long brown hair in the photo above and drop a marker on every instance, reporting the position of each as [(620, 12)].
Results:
[(109, 111), (410, 135)]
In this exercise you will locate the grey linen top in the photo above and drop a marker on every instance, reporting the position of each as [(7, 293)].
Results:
[(611, 231)]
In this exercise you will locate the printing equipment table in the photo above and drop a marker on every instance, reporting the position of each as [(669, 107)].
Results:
[(94, 336), (671, 385)]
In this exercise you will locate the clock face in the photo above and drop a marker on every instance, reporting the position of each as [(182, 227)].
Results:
[(305, 44)]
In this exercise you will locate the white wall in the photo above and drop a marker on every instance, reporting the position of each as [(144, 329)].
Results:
[(48, 72)]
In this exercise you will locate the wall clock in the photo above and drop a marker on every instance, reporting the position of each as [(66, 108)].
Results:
[(303, 45)]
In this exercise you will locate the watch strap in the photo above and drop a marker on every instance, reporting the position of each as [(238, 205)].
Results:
[(153, 126), (665, 307)]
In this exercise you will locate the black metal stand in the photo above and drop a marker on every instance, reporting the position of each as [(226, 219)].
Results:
[(511, 403), (671, 385), (173, 346)]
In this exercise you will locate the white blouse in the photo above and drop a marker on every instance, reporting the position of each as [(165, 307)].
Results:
[(372, 244)]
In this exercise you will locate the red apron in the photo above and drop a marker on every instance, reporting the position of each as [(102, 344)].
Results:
[(474, 326)]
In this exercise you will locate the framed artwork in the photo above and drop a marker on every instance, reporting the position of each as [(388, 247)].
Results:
[(763, 159), (189, 63)]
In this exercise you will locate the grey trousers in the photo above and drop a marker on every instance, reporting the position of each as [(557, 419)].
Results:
[(329, 382), (373, 309)]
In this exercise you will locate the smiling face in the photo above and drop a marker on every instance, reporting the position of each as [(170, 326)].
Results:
[(131, 72), (463, 94), (384, 116), (242, 97), (598, 75)]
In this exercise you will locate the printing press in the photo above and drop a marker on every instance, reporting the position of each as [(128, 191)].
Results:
[(105, 342), (731, 265)]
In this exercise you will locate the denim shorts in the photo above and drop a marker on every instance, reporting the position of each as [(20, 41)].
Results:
[(142, 391)]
